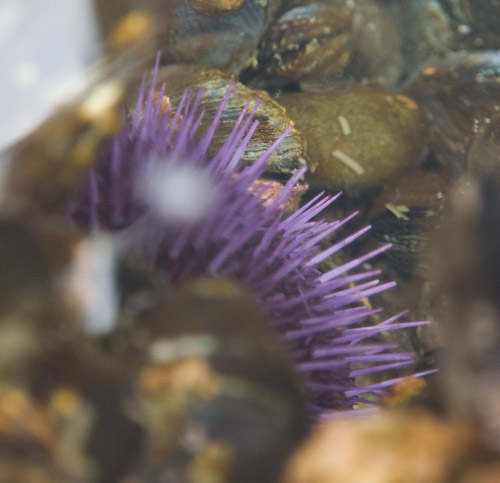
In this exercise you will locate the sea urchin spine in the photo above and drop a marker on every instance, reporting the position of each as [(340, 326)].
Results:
[(236, 229)]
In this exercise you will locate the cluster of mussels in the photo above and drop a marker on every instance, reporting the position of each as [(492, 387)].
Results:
[(180, 299), (392, 102)]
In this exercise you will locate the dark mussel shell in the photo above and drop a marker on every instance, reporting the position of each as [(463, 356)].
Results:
[(459, 95)]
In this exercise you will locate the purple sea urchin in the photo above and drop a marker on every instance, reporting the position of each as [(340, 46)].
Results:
[(191, 214)]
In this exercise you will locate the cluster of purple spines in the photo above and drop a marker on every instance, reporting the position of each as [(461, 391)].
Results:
[(249, 237)]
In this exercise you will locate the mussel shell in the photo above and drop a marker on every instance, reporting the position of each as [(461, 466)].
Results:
[(408, 236), (377, 57), (202, 31), (286, 158), (425, 31), (433, 28), (386, 133), (407, 214), (312, 41), (482, 17), (458, 94), (483, 153)]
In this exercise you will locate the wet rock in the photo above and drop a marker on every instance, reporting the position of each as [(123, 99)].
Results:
[(358, 135)]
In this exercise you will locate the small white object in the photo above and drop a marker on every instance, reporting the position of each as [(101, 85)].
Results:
[(351, 163), (163, 351), (177, 192), (344, 125), (90, 284)]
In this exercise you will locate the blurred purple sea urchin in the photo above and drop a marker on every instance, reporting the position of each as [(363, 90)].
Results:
[(191, 214)]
